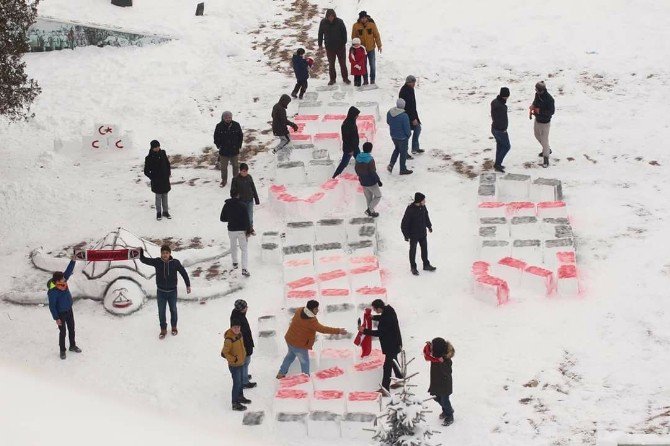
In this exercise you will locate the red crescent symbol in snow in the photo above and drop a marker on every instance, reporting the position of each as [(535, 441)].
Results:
[(106, 130), (118, 144), (95, 144)]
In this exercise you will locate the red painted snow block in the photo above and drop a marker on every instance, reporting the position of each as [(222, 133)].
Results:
[(552, 209), (492, 289), (332, 275), (330, 184), (568, 281), (326, 136), (288, 400), (306, 118), (510, 269), (521, 209), (334, 117), (301, 138), (480, 268), (328, 401), (300, 382), (301, 294), (334, 292), (492, 209), (566, 257), (349, 176), (540, 280), (302, 282)]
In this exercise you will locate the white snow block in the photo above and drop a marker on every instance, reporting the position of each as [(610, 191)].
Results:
[(266, 343), (324, 425), (365, 295), (553, 246), (366, 376), (487, 178), (521, 209), (510, 270), (330, 260), (487, 193), (364, 402), (568, 280), (493, 250), (491, 290), (494, 227), (95, 143), (319, 171), (291, 425), (268, 322), (356, 261), (336, 278), (366, 275), (303, 283), (552, 209), (309, 108), (294, 269), (330, 230), (329, 401), (310, 96), (271, 247), (106, 130), (336, 357), (549, 226), (333, 378), (358, 228), (514, 187), (524, 228), (291, 400), (299, 233), (336, 299), (545, 189), (354, 425), (292, 172), (302, 152), (528, 250), (336, 340), (362, 248), (331, 141), (296, 381), (332, 122), (491, 209), (369, 108), (539, 281)]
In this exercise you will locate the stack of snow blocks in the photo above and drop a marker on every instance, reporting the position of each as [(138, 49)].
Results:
[(525, 240)]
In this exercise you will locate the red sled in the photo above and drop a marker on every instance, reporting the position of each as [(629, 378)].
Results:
[(106, 255)]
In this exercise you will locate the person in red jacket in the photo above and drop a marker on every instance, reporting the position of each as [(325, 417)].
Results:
[(358, 57)]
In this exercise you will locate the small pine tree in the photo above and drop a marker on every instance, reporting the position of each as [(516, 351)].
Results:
[(17, 91), (404, 423)]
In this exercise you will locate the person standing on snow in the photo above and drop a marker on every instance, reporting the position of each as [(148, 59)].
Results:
[(166, 283), (233, 351), (543, 109), (413, 226), (301, 335), (407, 93), (350, 139), (228, 139), (301, 70), (388, 332), (60, 306), (399, 126), (280, 122), (157, 168), (368, 178), (333, 30), (366, 30), (239, 313), (243, 185), (357, 57), (236, 214), (439, 352), (499, 128)]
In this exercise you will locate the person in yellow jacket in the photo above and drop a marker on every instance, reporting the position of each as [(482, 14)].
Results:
[(366, 30), (235, 353), (301, 335)]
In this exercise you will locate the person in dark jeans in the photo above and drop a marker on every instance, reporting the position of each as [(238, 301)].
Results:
[(243, 185), (439, 352), (388, 332), (234, 352), (60, 306), (334, 31), (228, 139), (166, 284), (301, 70), (407, 93), (413, 226), (350, 139), (239, 314), (499, 128)]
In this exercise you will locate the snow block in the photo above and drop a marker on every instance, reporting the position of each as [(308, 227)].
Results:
[(266, 343), (319, 171), (289, 400), (566, 257), (328, 401), (539, 280), (363, 248), (487, 178), (291, 425), (326, 88), (563, 231), (354, 426), (292, 172), (268, 322), (493, 250), (514, 187), (325, 261), (553, 246), (311, 96), (301, 283), (487, 231), (480, 268), (527, 250), (365, 295), (500, 224), (337, 340), (253, 418), (524, 227), (320, 154), (549, 225), (334, 298), (331, 141), (545, 189), (492, 290), (568, 281), (301, 152), (366, 275), (491, 209), (332, 378), (309, 108), (324, 425), (299, 382), (369, 108), (552, 209), (271, 247), (364, 402), (330, 230), (300, 232), (521, 209), (299, 297), (486, 193), (367, 375), (510, 270), (336, 357)]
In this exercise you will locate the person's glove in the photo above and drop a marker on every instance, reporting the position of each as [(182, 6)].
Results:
[(430, 230), (379, 183), (407, 239), (358, 67), (295, 127)]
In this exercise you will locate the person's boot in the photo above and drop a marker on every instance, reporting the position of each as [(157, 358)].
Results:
[(406, 172), (389, 168), (246, 273), (410, 157), (545, 163), (74, 348), (167, 215), (429, 267), (62, 354), (159, 217), (415, 271), (244, 400), (162, 334), (498, 168), (280, 376), (347, 81), (249, 385), (331, 82), (415, 151), (239, 407), (448, 420), (234, 265), (222, 184), (540, 154), (293, 95), (175, 332)]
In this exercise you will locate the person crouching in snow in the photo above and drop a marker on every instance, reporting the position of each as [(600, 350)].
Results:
[(236, 214), (301, 70), (235, 353), (358, 59), (280, 121), (439, 352), (60, 305)]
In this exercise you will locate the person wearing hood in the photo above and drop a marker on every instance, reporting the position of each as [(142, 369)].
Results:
[(157, 168), (543, 109), (236, 214), (280, 122), (333, 30), (228, 139), (301, 70), (239, 313), (366, 30), (357, 57), (367, 176), (301, 335), (407, 93), (60, 306), (234, 352), (350, 139), (399, 126), (499, 128), (414, 224), (243, 185), (167, 268), (439, 353)]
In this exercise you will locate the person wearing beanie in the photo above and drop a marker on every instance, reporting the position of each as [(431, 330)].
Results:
[(439, 353), (234, 352), (499, 128), (280, 122), (301, 70), (228, 139), (350, 139), (236, 214), (239, 314), (357, 57), (243, 185), (399, 126), (60, 306), (301, 335), (414, 224), (157, 168), (368, 178), (366, 29), (333, 30), (407, 93), (543, 109)]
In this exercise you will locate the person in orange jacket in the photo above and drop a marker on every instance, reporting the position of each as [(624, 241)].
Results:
[(235, 353)]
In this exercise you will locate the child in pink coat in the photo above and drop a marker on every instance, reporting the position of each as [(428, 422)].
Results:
[(358, 58)]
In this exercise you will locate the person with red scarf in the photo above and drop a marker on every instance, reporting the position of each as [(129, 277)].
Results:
[(439, 353)]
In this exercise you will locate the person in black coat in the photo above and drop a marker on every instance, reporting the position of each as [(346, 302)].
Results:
[(239, 313), (280, 122), (350, 139), (243, 185), (388, 332), (413, 226), (235, 213), (441, 385), (334, 31), (301, 70), (499, 128), (228, 139), (157, 168), (543, 109), (407, 93)]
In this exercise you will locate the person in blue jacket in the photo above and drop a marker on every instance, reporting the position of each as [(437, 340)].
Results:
[(60, 305), (167, 268), (301, 70), (399, 127)]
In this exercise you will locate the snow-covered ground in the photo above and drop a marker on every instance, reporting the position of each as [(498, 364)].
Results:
[(600, 361)]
